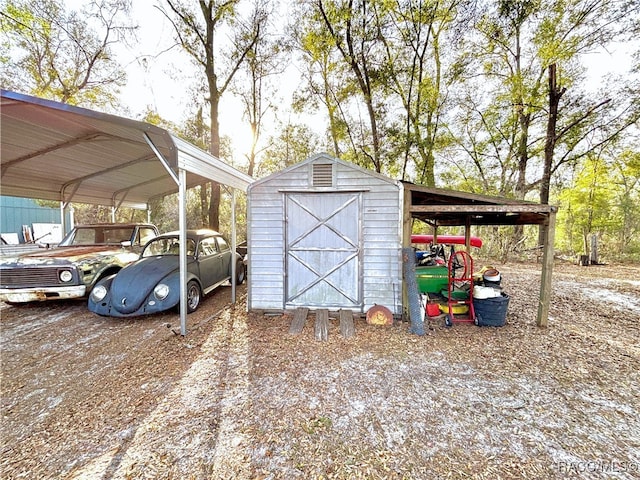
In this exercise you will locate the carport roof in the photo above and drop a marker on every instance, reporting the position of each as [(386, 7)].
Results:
[(54, 151)]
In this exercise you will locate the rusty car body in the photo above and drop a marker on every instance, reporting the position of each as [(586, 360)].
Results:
[(85, 255)]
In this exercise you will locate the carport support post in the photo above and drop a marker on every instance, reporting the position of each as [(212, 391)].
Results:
[(233, 245), (182, 224), (547, 267)]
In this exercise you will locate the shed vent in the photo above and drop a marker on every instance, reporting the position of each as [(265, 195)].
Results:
[(322, 175)]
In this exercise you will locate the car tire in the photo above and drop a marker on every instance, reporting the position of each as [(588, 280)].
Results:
[(240, 273), (193, 296)]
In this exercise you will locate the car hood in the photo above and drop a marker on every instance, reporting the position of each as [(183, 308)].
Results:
[(64, 255), (134, 283)]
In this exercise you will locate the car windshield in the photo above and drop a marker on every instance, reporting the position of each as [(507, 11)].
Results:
[(167, 246), (93, 235)]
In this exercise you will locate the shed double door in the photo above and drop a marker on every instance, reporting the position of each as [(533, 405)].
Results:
[(323, 250)]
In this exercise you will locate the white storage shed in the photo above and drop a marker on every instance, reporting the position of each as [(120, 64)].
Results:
[(325, 234)]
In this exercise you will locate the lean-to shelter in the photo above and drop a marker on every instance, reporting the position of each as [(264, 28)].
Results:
[(440, 207)]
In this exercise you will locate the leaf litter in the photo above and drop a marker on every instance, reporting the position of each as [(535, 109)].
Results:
[(239, 397)]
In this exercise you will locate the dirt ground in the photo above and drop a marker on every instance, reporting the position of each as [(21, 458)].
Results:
[(85, 397)]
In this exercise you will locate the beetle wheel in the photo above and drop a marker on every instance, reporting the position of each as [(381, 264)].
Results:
[(193, 296)]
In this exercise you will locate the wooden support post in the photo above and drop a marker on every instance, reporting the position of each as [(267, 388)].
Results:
[(467, 234), (347, 327), (299, 319), (322, 324), (407, 226), (547, 268)]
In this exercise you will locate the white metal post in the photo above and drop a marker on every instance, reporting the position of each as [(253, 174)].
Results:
[(233, 245), (182, 221)]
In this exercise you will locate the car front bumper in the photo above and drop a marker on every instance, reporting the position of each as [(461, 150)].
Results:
[(23, 295)]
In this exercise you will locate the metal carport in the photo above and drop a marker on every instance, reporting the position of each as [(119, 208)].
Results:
[(55, 151)]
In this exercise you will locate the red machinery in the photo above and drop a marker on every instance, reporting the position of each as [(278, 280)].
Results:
[(460, 288)]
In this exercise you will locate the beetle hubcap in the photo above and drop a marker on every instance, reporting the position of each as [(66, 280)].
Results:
[(193, 297)]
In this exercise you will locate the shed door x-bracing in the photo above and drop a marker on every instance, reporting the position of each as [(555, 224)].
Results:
[(323, 247)]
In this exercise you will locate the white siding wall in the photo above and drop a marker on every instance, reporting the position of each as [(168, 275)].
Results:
[(265, 246), (381, 238), (381, 242)]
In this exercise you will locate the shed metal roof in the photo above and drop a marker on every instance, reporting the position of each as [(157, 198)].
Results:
[(442, 207), (54, 151)]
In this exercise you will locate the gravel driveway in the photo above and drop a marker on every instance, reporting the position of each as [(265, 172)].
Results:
[(85, 397)]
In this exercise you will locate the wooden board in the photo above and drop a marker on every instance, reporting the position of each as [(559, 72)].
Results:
[(347, 327), (322, 325), (299, 319)]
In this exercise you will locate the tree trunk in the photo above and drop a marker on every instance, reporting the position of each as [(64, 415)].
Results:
[(214, 100), (550, 141), (524, 120)]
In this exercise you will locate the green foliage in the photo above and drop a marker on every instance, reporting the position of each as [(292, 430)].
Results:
[(63, 55), (603, 200), (84, 214), (295, 143)]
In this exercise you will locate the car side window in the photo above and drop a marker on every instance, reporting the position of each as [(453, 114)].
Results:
[(208, 246), (224, 246), (144, 235)]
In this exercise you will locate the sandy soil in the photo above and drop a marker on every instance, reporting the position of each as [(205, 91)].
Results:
[(85, 397)]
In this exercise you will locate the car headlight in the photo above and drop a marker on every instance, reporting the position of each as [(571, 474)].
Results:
[(65, 276), (98, 293), (161, 291)]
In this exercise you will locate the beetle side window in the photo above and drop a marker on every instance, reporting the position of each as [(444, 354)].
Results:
[(224, 246), (208, 246)]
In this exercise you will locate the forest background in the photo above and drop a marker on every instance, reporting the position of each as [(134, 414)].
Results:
[(491, 97)]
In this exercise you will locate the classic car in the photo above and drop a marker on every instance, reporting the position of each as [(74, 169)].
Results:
[(70, 270), (152, 283)]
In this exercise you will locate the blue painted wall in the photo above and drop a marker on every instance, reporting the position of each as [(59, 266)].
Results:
[(15, 212)]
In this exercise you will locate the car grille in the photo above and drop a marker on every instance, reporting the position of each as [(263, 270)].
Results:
[(29, 277)]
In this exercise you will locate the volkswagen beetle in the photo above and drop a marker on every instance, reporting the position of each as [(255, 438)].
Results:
[(152, 283)]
